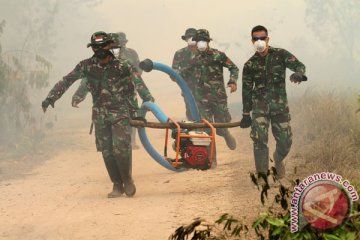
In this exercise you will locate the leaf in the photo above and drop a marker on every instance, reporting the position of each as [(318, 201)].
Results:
[(350, 236), (328, 236), (284, 204), (277, 231), (275, 222)]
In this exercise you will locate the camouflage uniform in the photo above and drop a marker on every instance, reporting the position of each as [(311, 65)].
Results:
[(264, 94), (210, 91), (112, 87), (140, 86), (182, 65)]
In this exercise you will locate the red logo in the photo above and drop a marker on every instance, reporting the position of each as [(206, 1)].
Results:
[(325, 205)]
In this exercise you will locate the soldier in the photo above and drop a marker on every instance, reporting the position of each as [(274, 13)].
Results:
[(210, 91), (264, 93), (111, 84), (182, 63), (120, 51)]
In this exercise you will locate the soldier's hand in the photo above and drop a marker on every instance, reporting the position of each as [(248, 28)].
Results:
[(233, 87), (45, 104), (245, 121), (297, 77)]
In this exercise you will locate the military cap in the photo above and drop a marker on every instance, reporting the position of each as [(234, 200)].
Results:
[(190, 32), (99, 38), (202, 35)]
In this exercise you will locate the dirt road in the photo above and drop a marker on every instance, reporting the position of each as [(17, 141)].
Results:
[(65, 197)]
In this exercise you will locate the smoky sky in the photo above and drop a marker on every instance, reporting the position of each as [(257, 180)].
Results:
[(154, 29)]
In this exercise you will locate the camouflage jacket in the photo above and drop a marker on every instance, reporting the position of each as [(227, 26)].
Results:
[(182, 65), (130, 55), (265, 77), (208, 69), (111, 86)]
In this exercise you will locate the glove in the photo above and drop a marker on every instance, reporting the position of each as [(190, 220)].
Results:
[(149, 99), (298, 77), (245, 121), (45, 104), (139, 119)]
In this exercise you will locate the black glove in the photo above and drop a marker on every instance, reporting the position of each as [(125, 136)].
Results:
[(298, 77), (139, 119), (245, 121), (45, 104)]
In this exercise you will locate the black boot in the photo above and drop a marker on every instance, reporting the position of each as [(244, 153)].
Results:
[(125, 168), (230, 140), (118, 190)]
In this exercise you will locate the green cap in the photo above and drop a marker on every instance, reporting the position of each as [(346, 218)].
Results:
[(202, 35)]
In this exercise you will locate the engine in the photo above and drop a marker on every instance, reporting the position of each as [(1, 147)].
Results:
[(194, 152)]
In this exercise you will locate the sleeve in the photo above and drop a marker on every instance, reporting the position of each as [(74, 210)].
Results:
[(293, 63), (247, 88), (81, 92), (137, 62), (140, 85), (60, 87), (233, 69)]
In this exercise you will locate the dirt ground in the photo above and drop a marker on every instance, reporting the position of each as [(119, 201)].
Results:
[(64, 197)]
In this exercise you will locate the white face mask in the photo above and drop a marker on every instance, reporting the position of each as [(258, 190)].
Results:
[(191, 42), (260, 46), (116, 51), (202, 45)]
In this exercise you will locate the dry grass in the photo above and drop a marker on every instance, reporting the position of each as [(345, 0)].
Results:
[(327, 133)]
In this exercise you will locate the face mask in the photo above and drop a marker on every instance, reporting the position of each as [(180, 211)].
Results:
[(191, 42), (116, 51), (202, 45), (260, 46), (102, 53)]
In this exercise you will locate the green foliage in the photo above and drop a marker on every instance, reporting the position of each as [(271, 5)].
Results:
[(274, 224)]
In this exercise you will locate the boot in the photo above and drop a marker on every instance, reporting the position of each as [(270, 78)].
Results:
[(261, 160), (125, 168), (118, 190), (279, 165), (230, 141), (214, 161)]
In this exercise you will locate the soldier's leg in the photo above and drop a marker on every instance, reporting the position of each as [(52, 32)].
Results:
[(121, 133), (103, 136), (259, 135), (222, 114), (280, 126)]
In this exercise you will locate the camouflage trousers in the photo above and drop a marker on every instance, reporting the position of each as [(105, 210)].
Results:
[(262, 117), (114, 142), (215, 112)]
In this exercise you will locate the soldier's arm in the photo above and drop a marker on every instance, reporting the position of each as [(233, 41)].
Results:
[(141, 87), (233, 69), (137, 62), (60, 87), (293, 63), (247, 88), (80, 93)]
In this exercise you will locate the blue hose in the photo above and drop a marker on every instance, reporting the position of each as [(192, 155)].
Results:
[(147, 65), (145, 140), (189, 98)]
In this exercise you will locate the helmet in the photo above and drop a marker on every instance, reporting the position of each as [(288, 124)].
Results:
[(190, 32), (119, 38), (99, 38), (202, 35)]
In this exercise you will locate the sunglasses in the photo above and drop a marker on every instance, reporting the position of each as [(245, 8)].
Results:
[(259, 38)]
